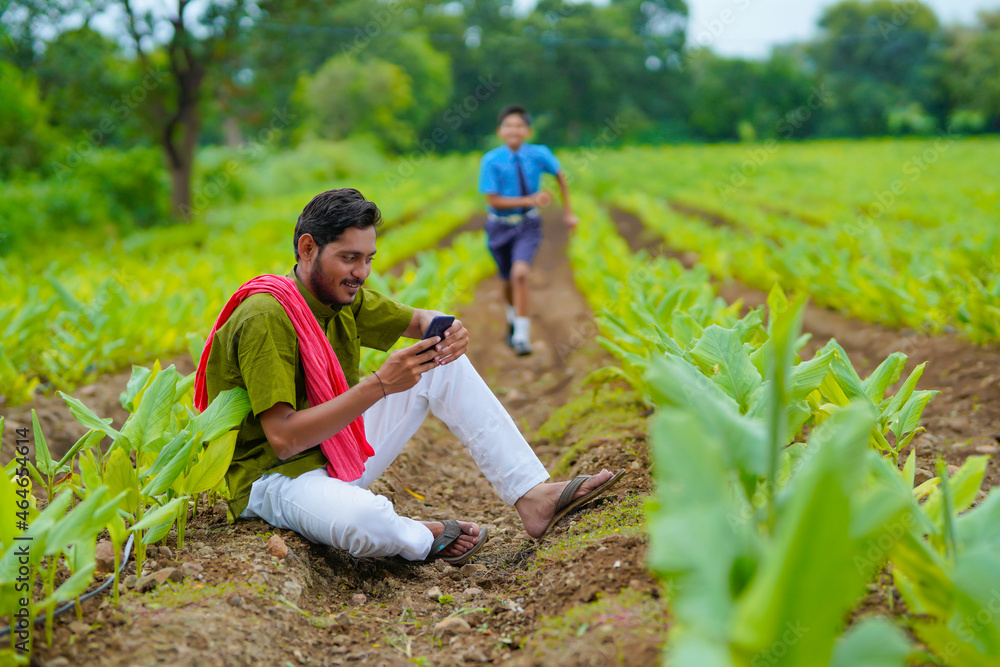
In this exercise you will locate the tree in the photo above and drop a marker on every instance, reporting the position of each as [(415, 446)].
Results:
[(89, 86), (196, 44), (876, 57), (347, 96), (184, 39), (973, 81), (26, 137)]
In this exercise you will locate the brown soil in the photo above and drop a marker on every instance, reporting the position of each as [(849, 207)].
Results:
[(318, 606), (713, 218)]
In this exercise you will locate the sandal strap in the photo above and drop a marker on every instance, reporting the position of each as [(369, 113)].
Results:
[(452, 531), (566, 497)]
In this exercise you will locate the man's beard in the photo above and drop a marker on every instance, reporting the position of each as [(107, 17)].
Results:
[(318, 280)]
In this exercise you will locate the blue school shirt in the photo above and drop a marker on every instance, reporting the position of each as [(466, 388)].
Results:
[(498, 174)]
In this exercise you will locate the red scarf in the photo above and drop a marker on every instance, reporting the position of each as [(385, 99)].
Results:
[(346, 451)]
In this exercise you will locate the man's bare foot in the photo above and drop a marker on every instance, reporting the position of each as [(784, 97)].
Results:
[(538, 505), (464, 542)]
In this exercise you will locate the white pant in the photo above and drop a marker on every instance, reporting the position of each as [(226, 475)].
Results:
[(347, 516)]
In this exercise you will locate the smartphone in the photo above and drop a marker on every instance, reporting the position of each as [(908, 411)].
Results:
[(438, 326)]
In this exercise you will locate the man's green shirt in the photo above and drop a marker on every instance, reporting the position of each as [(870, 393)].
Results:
[(257, 349)]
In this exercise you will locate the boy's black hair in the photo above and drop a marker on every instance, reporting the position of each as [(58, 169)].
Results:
[(511, 109), (331, 212)]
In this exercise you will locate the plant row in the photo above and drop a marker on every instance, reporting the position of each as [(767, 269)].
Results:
[(897, 232), (779, 494), (95, 310)]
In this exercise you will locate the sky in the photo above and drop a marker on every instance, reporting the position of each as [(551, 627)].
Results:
[(752, 27), (740, 28), (749, 28)]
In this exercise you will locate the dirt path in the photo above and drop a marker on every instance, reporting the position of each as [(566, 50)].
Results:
[(964, 419), (318, 606)]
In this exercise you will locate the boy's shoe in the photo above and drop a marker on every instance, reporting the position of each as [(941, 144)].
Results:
[(511, 316), (521, 347)]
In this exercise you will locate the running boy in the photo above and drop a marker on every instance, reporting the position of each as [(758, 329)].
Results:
[(509, 176)]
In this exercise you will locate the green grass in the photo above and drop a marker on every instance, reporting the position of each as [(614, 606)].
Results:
[(625, 518), (591, 417), (622, 620)]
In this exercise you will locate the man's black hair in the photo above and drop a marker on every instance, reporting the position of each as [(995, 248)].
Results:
[(331, 212), (511, 109)]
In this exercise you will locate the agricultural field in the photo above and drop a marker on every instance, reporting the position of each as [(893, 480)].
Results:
[(792, 348)]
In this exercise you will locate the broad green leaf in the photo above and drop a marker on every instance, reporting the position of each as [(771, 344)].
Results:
[(831, 390), (83, 415), (809, 375), (153, 372), (809, 575), (676, 381), (83, 522), (184, 385), (886, 374), (172, 468), (964, 487), (166, 454), (910, 469), (45, 522), (873, 642), (922, 576), (117, 531), (211, 467), (904, 393), (80, 553), (943, 641), (158, 532), (43, 460), (157, 516), (978, 530), (119, 476), (152, 412), (843, 371), (721, 355), (8, 519), (77, 583), (227, 411), (777, 304), (699, 532), (140, 376), (88, 471), (89, 439), (909, 415)]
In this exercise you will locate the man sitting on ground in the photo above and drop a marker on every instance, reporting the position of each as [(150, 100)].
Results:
[(279, 471)]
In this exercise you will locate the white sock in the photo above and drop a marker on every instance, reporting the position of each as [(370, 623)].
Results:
[(511, 313), (521, 325)]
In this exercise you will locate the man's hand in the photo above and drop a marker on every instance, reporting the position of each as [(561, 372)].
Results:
[(403, 368), (570, 219), (454, 345), (541, 199), (456, 337)]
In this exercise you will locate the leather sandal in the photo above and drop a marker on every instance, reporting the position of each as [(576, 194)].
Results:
[(567, 503), (452, 531)]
